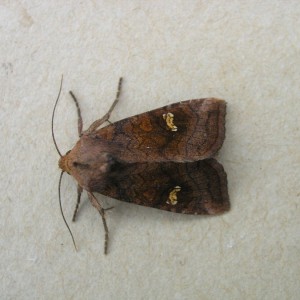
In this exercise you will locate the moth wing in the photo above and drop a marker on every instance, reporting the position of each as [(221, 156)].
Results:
[(190, 188), (184, 131)]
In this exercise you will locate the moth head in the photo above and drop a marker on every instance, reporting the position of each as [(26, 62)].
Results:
[(68, 163), (63, 163), (89, 162)]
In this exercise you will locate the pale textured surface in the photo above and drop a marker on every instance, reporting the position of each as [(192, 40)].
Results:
[(247, 52)]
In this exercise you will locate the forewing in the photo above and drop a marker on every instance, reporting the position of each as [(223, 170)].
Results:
[(184, 131), (190, 188)]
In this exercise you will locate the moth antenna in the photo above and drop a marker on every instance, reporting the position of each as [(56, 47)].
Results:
[(53, 117), (61, 210)]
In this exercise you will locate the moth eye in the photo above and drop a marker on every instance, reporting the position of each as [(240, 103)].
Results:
[(75, 164)]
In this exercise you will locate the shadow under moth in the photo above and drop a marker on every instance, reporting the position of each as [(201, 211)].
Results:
[(160, 159)]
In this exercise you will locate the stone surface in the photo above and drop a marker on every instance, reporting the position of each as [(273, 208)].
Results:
[(246, 52)]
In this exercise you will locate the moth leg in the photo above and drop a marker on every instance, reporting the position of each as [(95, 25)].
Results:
[(80, 123), (98, 206), (105, 118), (79, 192)]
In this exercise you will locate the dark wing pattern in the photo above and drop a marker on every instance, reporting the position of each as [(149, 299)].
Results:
[(190, 188), (185, 131)]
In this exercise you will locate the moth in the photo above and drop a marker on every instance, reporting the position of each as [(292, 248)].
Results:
[(161, 158)]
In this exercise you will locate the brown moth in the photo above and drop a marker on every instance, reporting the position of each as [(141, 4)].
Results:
[(160, 159)]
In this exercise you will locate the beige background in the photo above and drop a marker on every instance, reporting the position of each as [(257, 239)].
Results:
[(247, 52)]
